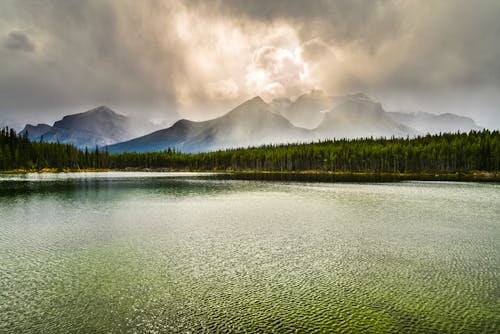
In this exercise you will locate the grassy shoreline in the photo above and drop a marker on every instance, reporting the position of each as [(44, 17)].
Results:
[(309, 175)]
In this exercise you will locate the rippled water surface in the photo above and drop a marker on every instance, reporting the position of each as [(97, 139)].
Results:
[(134, 252)]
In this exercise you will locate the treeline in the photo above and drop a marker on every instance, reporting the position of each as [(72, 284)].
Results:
[(477, 150), (431, 153), (18, 152)]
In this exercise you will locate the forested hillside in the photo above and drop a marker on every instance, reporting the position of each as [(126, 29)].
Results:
[(474, 151), (18, 152)]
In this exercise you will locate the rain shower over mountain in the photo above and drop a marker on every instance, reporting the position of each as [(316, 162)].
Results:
[(310, 117)]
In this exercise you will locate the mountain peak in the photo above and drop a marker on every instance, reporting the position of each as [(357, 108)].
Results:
[(256, 103), (35, 131), (256, 100), (102, 110), (90, 118), (252, 106)]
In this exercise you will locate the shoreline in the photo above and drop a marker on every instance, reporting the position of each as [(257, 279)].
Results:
[(308, 175)]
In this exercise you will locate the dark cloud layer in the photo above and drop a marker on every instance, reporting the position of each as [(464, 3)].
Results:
[(199, 58), (91, 53)]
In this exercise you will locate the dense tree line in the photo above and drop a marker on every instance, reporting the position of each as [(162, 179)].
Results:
[(18, 152), (477, 150)]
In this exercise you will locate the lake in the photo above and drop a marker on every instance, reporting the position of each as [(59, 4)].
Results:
[(183, 252)]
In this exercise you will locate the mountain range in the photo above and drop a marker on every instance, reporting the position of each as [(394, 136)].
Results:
[(312, 116), (308, 110), (425, 122), (100, 126), (251, 123)]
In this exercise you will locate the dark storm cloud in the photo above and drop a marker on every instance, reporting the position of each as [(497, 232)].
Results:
[(445, 40), (336, 20), (439, 55), (155, 57), (90, 53), (16, 40)]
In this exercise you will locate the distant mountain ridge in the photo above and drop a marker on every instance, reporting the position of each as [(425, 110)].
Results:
[(256, 122), (312, 116), (36, 131), (361, 118), (434, 124), (251, 123), (100, 126), (308, 110)]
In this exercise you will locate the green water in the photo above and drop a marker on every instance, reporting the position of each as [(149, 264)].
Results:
[(149, 253)]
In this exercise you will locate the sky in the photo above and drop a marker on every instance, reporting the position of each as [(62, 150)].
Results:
[(197, 59)]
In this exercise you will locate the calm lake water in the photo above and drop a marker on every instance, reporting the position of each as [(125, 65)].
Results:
[(151, 252)]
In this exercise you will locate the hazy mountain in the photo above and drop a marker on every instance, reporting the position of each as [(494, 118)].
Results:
[(308, 110), (360, 118), (278, 105), (36, 131), (433, 124), (251, 123), (100, 126), (255, 122)]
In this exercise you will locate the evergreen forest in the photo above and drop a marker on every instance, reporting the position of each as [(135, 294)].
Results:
[(445, 153)]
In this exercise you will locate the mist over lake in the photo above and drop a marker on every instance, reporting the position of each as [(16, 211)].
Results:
[(184, 252)]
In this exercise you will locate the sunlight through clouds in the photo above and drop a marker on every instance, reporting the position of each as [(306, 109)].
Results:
[(197, 59), (276, 72)]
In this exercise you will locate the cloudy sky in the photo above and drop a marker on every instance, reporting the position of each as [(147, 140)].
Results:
[(196, 58)]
